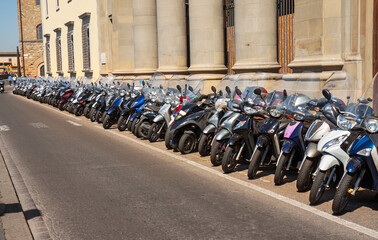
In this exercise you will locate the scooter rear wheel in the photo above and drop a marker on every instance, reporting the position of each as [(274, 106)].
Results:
[(167, 140)]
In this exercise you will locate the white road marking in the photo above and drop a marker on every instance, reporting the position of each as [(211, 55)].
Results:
[(73, 123), (354, 226), (39, 125), (4, 128)]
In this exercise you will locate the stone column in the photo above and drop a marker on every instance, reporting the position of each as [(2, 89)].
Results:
[(318, 35), (123, 41), (145, 36), (256, 35), (171, 26), (206, 36)]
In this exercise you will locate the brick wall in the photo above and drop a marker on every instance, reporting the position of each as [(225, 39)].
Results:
[(33, 47)]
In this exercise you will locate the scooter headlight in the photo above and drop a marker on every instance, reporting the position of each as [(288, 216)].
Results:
[(298, 116), (181, 114), (335, 141), (345, 123), (275, 113), (364, 152), (133, 95), (371, 125), (249, 110)]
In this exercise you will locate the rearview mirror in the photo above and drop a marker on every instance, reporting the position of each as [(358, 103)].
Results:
[(285, 93), (214, 89), (191, 88), (238, 92), (326, 93), (178, 87), (228, 90)]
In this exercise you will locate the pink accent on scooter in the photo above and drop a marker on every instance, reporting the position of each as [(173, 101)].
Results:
[(290, 129)]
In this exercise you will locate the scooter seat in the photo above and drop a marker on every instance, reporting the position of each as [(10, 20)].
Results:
[(154, 108)]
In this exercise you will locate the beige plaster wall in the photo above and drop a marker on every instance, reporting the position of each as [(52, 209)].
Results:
[(70, 11)]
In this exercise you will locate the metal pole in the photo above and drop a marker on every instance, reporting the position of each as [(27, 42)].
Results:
[(18, 63)]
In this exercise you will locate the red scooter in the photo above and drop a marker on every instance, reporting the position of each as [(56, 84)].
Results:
[(64, 99)]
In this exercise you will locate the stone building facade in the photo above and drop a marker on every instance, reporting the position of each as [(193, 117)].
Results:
[(70, 38), (31, 42), (215, 37)]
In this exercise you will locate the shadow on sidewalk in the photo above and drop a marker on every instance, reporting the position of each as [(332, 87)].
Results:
[(16, 208)]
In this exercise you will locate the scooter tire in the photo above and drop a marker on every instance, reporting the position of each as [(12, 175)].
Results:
[(217, 152), (152, 132), (167, 140), (61, 106), (122, 123), (133, 124), (254, 165), (107, 123), (187, 143), (229, 159), (93, 115), (204, 144), (342, 197), (142, 133), (98, 116), (281, 168), (305, 179), (318, 187), (86, 112)]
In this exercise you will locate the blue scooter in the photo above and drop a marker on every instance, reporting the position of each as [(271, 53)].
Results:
[(362, 168)]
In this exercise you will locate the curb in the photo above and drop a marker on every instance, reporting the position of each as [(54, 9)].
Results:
[(22, 219)]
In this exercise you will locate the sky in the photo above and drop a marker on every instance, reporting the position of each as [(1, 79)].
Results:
[(8, 26)]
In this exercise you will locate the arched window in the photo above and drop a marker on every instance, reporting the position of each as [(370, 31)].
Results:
[(39, 32)]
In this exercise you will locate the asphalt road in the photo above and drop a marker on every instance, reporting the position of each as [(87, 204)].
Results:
[(90, 184)]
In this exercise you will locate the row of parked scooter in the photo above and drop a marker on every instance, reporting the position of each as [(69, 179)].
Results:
[(328, 136)]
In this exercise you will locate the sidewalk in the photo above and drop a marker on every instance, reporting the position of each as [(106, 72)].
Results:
[(13, 225)]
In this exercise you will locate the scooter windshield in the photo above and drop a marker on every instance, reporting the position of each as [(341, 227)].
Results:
[(158, 83), (172, 93), (246, 84), (193, 88), (359, 108)]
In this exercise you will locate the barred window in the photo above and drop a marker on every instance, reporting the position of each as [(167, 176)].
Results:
[(48, 60), (58, 52), (39, 31), (70, 45), (38, 2), (86, 45)]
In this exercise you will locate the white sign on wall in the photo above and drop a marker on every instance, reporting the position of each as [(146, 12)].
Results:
[(103, 58)]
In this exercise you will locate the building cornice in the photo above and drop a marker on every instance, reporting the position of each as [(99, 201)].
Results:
[(69, 23), (85, 15)]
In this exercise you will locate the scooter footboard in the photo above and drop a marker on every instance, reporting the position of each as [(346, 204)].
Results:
[(327, 161)]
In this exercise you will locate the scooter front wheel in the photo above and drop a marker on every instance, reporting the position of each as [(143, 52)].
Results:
[(305, 179), (229, 158), (281, 168), (167, 140), (187, 143), (107, 123), (319, 186), (152, 134), (204, 145), (217, 152), (122, 123), (255, 163), (342, 195)]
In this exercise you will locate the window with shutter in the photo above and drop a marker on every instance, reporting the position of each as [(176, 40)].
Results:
[(70, 45), (86, 45), (58, 52), (48, 60), (285, 30)]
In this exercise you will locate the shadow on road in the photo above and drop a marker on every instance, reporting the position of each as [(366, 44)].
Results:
[(16, 208)]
